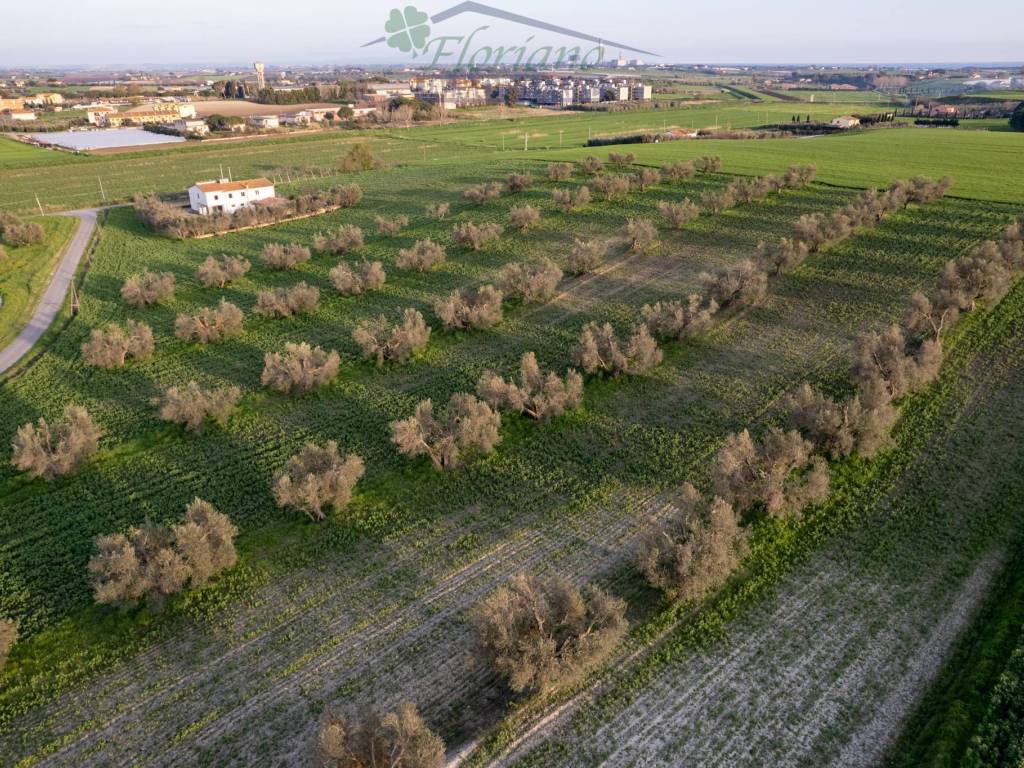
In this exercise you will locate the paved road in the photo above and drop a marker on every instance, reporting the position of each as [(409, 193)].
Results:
[(53, 299)]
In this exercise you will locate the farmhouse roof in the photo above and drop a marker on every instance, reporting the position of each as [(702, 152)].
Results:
[(233, 186)]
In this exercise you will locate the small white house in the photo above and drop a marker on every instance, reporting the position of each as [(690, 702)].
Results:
[(186, 126), (23, 115), (224, 196), (264, 122), (846, 121)]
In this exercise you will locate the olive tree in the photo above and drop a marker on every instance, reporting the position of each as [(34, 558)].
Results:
[(483, 193), (519, 182), (642, 234), (620, 158), (300, 368), (285, 302), (523, 217), (678, 320), (467, 424), (600, 351), (285, 256), (779, 475), (345, 238), (742, 285), (110, 347), (148, 288), (399, 739), (192, 406), (348, 282), (692, 552), (592, 165), (48, 451), (214, 273), (612, 186), (680, 171), (475, 236), (422, 256), (391, 227), (586, 256), (536, 395), (210, 324), (316, 478), (437, 211), (530, 282), (840, 428), (886, 361), (559, 171), (379, 339), (569, 201), (678, 215), (539, 631), (470, 308), (782, 255)]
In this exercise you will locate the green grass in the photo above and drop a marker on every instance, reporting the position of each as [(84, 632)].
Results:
[(16, 155), (981, 163), (939, 731), (26, 272)]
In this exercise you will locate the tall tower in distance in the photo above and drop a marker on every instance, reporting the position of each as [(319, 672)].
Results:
[(261, 81)]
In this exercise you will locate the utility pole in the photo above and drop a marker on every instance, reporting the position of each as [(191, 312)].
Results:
[(102, 193), (526, 142), (560, 139), (221, 171), (39, 204)]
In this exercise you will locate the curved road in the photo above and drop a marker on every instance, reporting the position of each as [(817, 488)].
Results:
[(53, 299)]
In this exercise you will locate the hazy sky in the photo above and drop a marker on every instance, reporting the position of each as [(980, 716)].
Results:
[(134, 32)]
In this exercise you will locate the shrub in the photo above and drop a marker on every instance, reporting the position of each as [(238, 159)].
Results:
[(391, 227), (586, 256), (536, 395), (694, 551), (285, 302), (779, 475), (192, 406), (468, 308), (347, 282), (926, 318), (646, 177), (110, 347), (708, 164), (148, 288), (523, 217), (346, 196), (345, 238), (299, 369), (317, 478), (475, 236), (210, 324), (800, 175), (519, 182), (20, 233), (8, 638), (217, 274), (980, 274), (483, 193), (570, 201), (399, 739), (278, 256), (678, 215), (379, 339), (359, 158), (530, 283), (619, 158), (838, 429), (642, 234), (675, 320), (51, 451), (421, 257), (743, 284), (538, 631), (559, 171), (600, 351), (437, 211), (681, 171), (592, 165), (612, 186), (154, 562), (466, 425)]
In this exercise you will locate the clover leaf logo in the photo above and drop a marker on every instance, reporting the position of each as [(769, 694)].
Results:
[(408, 30)]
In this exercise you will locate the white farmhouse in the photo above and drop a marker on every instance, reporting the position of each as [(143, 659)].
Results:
[(224, 196), (846, 121)]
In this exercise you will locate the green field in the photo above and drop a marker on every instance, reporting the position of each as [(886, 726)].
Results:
[(372, 604), (26, 272)]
